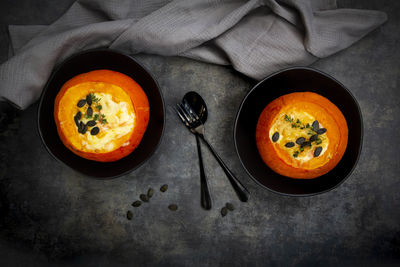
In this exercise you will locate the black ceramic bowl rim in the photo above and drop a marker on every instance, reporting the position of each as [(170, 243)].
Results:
[(255, 87), (45, 88)]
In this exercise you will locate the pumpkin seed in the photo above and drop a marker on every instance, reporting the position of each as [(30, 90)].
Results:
[(84, 129), (150, 192), (81, 103), (290, 144), (224, 211), (144, 198), (164, 188), (137, 203), (173, 207), (76, 121), (315, 125), (275, 137), (79, 115), (314, 137), (129, 215), (306, 143), (300, 140), (89, 99), (94, 131), (321, 131), (91, 123), (89, 112), (317, 151), (229, 206), (80, 127)]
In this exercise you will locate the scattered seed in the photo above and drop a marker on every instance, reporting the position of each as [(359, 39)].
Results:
[(94, 131), (144, 198), (79, 115), (89, 99), (314, 137), (129, 215), (91, 123), (150, 192), (315, 125), (81, 103), (317, 151), (173, 207), (229, 206), (300, 140), (164, 188), (137, 203), (89, 112), (290, 144), (275, 137), (321, 131), (224, 211)]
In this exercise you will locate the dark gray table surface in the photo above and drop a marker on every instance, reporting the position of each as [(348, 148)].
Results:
[(51, 215)]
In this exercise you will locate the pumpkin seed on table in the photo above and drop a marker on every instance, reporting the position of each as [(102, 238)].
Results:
[(173, 207), (300, 140), (224, 211), (290, 144), (315, 125), (129, 215), (144, 197), (229, 206), (89, 99), (137, 203), (150, 192), (81, 103), (321, 131), (275, 137), (164, 188), (94, 131)]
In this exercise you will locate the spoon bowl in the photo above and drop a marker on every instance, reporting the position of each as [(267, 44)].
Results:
[(198, 105)]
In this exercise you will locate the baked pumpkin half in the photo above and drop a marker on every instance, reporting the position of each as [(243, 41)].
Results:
[(101, 115), (301, 135)]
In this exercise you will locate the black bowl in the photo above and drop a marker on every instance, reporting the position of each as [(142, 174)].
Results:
[(93, 60), (297, 79)]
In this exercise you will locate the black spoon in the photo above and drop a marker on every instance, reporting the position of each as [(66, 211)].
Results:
[(199, 107)]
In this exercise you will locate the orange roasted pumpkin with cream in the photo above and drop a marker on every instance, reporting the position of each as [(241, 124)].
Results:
[(101, 115), (301, 135)]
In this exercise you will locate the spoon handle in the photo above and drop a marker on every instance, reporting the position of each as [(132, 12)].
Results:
[(204, 192), (239, 188)]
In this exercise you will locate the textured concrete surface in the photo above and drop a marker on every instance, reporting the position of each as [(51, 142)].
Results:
[(52, 216)]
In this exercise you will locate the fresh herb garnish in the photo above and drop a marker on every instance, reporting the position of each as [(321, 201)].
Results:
[(287, 118), (94, 98), (318, 141), (96, 117), (99, 107), (103, 119), (296, 154)]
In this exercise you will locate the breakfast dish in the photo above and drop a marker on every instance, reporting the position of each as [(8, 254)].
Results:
[(101, 115), (301, 135)]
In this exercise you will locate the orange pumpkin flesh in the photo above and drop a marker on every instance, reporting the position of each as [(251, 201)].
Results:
[(119, 99), (291, 116)]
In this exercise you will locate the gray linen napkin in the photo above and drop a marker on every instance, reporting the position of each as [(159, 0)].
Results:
[(256, 37)]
